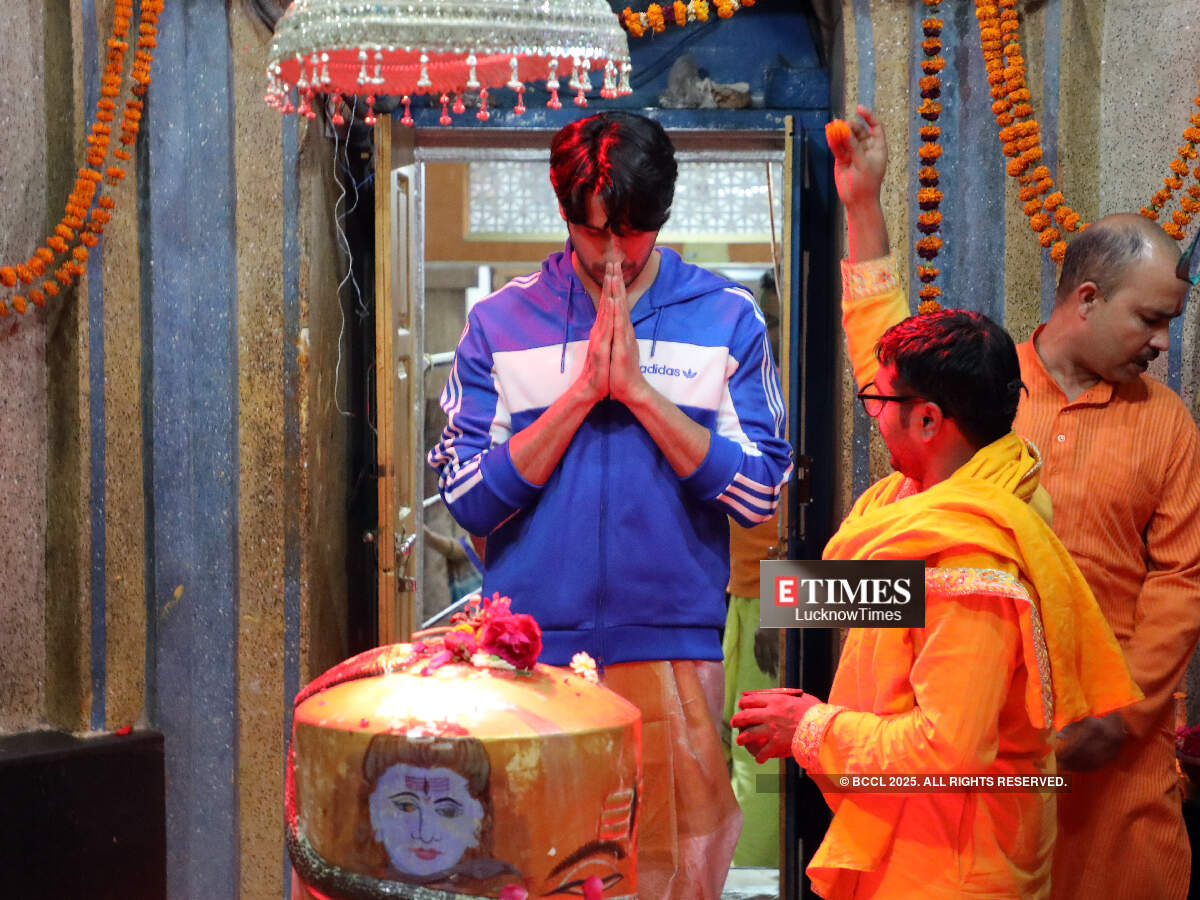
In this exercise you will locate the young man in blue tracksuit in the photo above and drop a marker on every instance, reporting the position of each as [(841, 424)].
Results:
[(604, 416)]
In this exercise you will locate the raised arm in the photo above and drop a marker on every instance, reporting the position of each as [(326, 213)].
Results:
[(859, 164), (872, 300)]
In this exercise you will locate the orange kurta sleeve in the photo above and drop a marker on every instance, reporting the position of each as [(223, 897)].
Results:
[(872, 302), (1167, 616)]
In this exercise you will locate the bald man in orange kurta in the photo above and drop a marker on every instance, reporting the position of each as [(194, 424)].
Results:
[(1121, 460)]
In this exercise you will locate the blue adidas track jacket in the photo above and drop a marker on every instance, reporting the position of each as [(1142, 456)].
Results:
[(615, 554)]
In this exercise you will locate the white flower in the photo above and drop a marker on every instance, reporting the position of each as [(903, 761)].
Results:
[(585, 667)]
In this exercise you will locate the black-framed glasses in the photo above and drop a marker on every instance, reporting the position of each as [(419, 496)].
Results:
[(1183, 270), (873, 403)]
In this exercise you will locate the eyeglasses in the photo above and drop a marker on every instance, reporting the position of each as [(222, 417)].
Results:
[(873, 403), (1183, 270)]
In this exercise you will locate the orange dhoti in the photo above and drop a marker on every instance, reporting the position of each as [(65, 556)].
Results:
[(688, 818)]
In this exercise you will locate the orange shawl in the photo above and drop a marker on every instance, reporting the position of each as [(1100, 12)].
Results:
[(985, 507)]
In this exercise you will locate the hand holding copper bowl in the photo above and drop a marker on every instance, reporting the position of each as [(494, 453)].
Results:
[(768, 718)]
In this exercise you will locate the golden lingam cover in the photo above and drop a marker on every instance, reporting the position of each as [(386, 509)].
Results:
[(459, 767)]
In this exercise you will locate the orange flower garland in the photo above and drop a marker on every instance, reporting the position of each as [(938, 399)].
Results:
[(655, 20), (1190, 201), (82, 223), (1019, 132), (1020, 141), (929, 221)]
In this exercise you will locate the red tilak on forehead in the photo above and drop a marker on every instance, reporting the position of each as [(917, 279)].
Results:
[(425, 785)]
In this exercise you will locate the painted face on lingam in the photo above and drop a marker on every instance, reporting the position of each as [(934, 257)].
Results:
[(425, 818)]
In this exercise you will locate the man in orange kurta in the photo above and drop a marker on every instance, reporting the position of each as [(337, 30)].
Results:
[(1122, 465), (1013, 641)]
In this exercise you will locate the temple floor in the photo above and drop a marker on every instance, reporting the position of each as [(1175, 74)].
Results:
[(751, 884)]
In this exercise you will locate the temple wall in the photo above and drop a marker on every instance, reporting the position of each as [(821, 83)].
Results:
[(23, 386), (97, 633)]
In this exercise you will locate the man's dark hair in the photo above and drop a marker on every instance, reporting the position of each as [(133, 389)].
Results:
[(624, 159), (962, 361)]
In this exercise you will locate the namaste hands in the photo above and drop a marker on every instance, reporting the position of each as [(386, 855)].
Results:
[(612, 367)]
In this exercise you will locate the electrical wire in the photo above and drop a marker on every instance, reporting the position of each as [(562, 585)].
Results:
[(343, 242)]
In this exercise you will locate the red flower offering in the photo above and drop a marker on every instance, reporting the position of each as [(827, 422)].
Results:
[(515, 638)]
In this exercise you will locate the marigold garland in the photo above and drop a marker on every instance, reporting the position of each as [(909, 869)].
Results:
[(1019, 135), (1189, 202), (1018, 132), (655, 20), (929, 198), (82, 223)]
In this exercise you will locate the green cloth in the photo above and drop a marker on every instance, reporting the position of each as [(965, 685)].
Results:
[(759, 842)]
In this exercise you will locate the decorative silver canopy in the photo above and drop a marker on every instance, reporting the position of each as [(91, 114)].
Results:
[(402, 48)]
